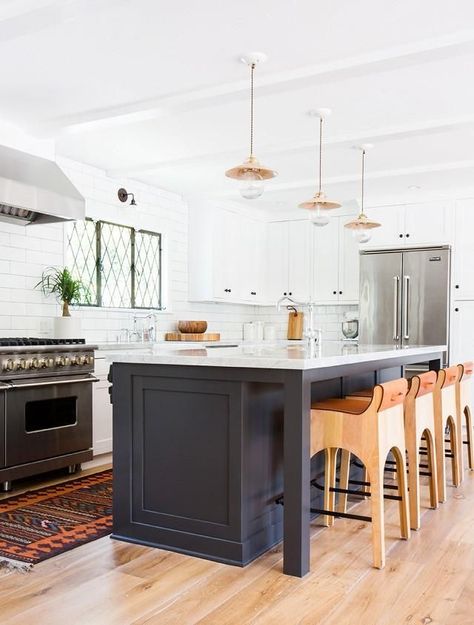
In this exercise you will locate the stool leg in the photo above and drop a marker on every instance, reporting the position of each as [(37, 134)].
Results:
[(403, 492), (413, 480), (470, 437), (376, 476), (365, 478), (454, 445), (432, 468), (344, 470), (440, 462), (329, 482)]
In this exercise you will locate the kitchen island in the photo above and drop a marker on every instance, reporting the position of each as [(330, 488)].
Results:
[(207, 439)]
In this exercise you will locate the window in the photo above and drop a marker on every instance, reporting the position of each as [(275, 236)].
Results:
[(120, 266)]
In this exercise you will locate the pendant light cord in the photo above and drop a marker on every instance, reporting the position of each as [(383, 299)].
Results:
[(362, 183), (252, 69), (320, 153)]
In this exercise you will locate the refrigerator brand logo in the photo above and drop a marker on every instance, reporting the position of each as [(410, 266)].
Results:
[(435, 258)]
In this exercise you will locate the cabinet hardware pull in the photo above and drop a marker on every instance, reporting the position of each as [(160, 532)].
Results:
[(334, 292), (407, 235), (401, 236), (457, 286), (340, 292), (290, 293), (253, 292), (456, 310)]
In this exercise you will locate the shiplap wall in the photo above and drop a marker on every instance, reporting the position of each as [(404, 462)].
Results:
[(26, 251)]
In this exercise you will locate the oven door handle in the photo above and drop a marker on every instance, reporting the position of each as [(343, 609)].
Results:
[(91, 378)]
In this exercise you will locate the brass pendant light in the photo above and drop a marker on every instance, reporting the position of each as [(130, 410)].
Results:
[(251, 173), (319, 204), (362, 226)]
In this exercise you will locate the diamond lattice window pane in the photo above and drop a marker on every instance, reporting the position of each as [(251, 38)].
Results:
[(82, 256), (147, 270), (116, 266)]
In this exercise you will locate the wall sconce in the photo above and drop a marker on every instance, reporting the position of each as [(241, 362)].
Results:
[(123, 196)]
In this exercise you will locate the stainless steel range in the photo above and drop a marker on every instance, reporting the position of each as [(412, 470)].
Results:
[(45, 406)]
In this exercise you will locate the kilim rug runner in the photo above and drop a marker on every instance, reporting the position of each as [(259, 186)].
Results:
[(43, 523)]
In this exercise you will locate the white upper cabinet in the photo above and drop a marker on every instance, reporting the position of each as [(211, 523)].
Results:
[(408, 225), (463, 282), (300, 259), (336, 264), (288, 260), (226, 255)]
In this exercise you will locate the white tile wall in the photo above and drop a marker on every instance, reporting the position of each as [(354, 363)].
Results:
[(26, 251)]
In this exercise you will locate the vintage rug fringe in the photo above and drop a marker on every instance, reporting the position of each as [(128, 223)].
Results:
[(40, 524)]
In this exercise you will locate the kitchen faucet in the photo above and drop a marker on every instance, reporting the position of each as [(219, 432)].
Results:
[(311, 334)]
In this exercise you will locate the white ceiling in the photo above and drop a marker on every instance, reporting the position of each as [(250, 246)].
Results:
[(154, 91)]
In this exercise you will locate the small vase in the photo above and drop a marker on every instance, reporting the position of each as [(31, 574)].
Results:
[(67, 328)]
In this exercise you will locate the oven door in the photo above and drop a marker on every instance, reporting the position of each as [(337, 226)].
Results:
[(47, 417)]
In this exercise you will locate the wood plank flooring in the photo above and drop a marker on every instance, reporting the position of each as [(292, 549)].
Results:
[(427, 580)]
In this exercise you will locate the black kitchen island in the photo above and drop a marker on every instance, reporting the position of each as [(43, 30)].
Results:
[(206, 441)]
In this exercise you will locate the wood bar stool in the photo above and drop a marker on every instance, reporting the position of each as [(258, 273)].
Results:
[(420, 422), (370, 430), (447, 417), (464, 398)]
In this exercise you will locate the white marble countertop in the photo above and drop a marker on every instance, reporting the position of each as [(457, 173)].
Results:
[(275, 355)]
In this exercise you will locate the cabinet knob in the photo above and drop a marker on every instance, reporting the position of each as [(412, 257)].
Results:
[(340, 292), (285, 293), (290, 293), (401, 236), (407, 235), (457, 286), (334, 292), (456, 310)]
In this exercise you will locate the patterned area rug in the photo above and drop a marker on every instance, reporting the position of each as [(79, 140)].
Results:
[(43, 523)]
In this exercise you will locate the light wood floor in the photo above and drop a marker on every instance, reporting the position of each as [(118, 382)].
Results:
[(427, 580)]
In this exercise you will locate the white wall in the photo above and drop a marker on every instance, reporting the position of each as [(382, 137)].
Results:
[(26, 251)]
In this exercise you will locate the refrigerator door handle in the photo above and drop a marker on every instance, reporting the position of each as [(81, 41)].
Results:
[(406, 280), (396, 295)]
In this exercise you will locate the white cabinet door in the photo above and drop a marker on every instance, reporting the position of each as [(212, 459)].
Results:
[(427, 224), (326, 262), (227, 256), (462, 332), (392, 229), (349, 261), (276, 261), (463, 248), (101, 417), (252, 255), (300, 260)]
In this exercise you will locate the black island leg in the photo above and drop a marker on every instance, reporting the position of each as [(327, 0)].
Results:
[(296, 474)]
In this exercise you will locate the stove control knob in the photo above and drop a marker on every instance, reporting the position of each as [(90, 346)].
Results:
[(74, 360), (21, 364), (50, 362), (42, 363), (67, 361), (90, 360), (35, 363), (60, 361), (8, 365), (83, 360)]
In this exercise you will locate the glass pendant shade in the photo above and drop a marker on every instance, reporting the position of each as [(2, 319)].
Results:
[(252, 185), (318, 216)]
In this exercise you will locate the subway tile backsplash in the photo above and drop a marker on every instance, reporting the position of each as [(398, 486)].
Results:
[(26, 251)]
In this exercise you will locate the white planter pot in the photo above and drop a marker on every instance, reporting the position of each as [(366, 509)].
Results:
[(67, 328)]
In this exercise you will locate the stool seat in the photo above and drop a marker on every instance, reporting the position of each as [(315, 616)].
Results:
[(348, 406)]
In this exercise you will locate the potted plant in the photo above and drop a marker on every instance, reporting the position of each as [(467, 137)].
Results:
[(59, 282)]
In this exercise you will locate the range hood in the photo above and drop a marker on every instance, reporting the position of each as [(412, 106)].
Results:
[(34, 190)]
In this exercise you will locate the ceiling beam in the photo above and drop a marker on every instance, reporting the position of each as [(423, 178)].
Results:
[(376, 61), (379, 135)]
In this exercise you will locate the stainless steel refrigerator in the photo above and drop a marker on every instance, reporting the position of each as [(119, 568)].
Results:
[(404, 296)]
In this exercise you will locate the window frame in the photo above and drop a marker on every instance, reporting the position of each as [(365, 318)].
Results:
[(133, 277)]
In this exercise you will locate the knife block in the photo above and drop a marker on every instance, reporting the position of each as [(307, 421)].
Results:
[(295, 326)]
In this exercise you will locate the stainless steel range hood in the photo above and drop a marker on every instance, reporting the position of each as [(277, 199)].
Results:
[(34, 190)]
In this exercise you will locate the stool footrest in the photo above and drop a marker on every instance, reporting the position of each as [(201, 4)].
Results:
[(357, 493), (343, 515)]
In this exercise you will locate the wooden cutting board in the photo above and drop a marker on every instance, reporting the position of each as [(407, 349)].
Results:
[(180, 336)]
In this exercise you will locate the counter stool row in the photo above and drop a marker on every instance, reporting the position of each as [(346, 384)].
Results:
[(395, 417)]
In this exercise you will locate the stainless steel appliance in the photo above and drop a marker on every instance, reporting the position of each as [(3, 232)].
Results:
[(45, 406), (404, 296)]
